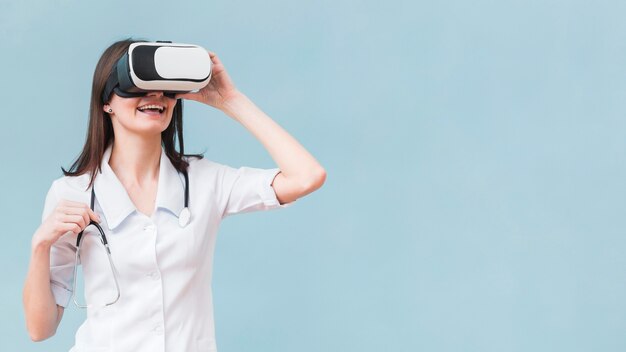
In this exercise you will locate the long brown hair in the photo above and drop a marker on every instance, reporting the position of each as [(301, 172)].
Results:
[(100, 131)]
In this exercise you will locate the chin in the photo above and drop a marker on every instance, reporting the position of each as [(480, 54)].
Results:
[(149, 129)]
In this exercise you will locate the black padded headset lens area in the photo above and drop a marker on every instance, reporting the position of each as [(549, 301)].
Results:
[(159, 66)]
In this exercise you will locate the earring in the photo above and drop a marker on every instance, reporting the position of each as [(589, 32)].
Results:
[(110, 110)]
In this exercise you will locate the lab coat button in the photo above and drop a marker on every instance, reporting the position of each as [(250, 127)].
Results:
[(158, 329)]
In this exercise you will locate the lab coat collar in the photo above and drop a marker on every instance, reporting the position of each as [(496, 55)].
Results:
[(171, 191), (117, 205)]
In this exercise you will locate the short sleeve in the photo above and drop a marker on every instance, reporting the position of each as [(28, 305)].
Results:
[(249, 189), (62, 254)]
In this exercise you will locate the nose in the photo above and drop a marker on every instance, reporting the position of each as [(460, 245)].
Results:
[(155, 93)]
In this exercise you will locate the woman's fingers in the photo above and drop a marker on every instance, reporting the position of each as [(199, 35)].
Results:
[(74, 219), (75, 211), (70, 227), (71, 207), (74, 216), (214, 58), (92, 215)]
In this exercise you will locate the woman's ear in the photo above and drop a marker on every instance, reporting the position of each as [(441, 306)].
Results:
[(107, 109)]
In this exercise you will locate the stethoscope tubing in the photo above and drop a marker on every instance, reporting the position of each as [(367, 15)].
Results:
[(111, 265)]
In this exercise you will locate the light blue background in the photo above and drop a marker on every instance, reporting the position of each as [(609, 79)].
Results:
[(475, 154)]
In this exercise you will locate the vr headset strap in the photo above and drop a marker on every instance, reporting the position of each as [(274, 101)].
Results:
[(112, 82), (123, 76)]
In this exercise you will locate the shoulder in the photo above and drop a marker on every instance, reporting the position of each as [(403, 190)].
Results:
[(208, 168), (214, 175), (71, 187), (203, 167)]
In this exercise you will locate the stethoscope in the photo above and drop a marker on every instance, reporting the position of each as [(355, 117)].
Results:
[(183, 220)]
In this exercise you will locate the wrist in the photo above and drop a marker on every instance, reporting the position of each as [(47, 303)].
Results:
[(234, 103), (40, 243)]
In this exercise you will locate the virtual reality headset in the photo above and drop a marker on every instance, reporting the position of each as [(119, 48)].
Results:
[(159, 66)]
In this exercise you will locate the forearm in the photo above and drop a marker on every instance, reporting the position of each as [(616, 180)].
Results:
[(42, 313), (294, 161)]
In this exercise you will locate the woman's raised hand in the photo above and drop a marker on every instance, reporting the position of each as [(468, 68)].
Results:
[(68, 216), (219, 90)]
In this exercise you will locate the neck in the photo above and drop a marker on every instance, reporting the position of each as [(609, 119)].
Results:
[(136, 160)]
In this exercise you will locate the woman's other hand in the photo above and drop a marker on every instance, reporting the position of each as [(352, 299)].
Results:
[(219, 90)]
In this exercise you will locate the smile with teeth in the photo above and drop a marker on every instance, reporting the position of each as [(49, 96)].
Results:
[(151, 108)]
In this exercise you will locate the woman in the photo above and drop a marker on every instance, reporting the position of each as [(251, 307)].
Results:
[(163, 264)]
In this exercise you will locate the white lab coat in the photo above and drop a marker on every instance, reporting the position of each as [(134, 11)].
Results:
[(164, 270)]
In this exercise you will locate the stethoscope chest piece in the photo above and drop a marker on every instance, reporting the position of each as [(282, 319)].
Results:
[(184, 217)]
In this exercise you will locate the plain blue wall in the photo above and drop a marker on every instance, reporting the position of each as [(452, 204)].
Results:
[(475, 152)]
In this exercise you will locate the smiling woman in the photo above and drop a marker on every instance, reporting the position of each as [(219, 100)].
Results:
[(137, 185)]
